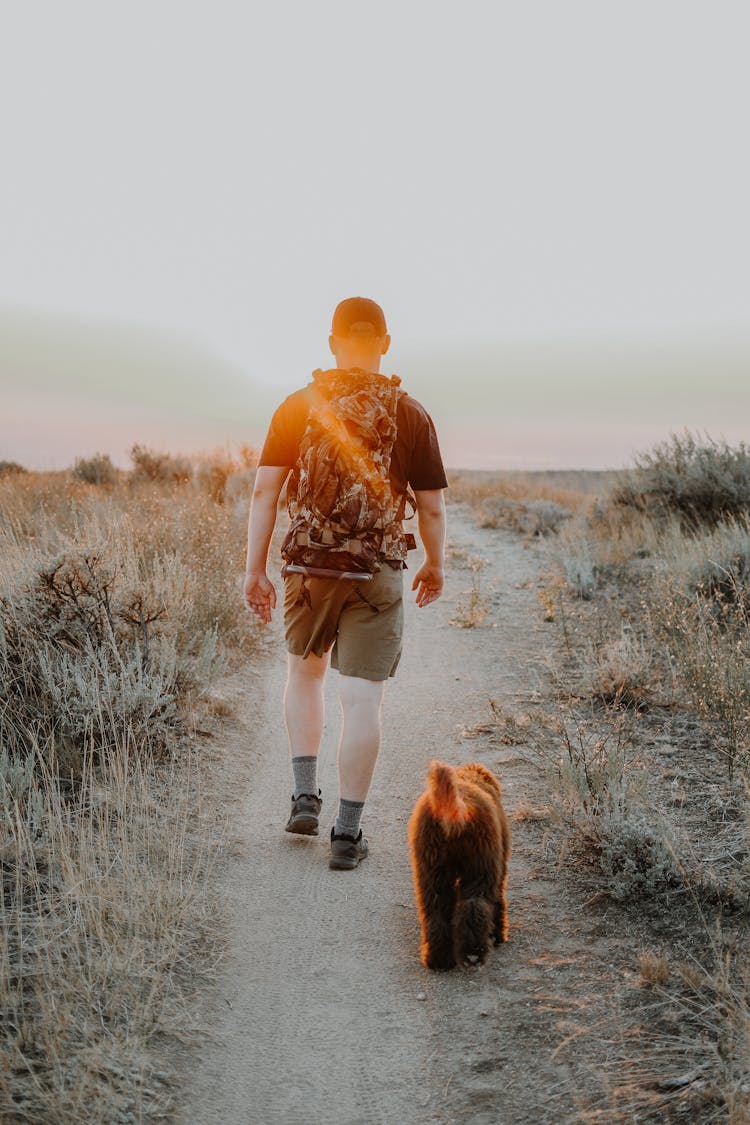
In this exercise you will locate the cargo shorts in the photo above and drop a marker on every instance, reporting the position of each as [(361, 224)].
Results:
[(360, 621)]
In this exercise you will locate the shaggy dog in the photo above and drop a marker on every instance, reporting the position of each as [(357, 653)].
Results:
[(460, 843)]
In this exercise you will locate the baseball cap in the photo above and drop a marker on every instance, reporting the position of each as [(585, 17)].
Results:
[(358, 315)]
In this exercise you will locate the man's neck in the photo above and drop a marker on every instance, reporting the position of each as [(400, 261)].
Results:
[(351, 362)]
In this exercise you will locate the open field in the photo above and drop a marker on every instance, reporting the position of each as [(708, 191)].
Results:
[(158, 924)]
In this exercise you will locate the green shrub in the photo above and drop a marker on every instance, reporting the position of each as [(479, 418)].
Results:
[(636, 856), (700, 483), (11, 468), (150, 465), (95, 470), (84, 662)]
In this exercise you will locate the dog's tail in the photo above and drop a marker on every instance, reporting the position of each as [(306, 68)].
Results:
[(448, 805)]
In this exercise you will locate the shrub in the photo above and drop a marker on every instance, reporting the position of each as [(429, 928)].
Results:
[(598, 792), (702, 483), (95, 470), (473, 606), (543, 516), (635, 855), (618, 671), (215, 472), (83, 662), (150, 465), (712, 659), (500, 511), (11, 468), (574, 555), (714, 564)]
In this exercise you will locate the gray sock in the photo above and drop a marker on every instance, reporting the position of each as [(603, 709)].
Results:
[(305, 775), (347, 821)]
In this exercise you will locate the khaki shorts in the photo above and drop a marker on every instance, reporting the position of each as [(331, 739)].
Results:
[(363, 621)]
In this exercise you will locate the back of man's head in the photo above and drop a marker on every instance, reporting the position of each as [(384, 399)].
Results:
[(359, 336), (358, 317)]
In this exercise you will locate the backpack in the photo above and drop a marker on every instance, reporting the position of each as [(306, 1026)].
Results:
[(342, 510)]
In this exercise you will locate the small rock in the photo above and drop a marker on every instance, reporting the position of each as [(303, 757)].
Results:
[(421, 996)]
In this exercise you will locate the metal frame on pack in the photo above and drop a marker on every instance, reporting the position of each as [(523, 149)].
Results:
[(323, 572)]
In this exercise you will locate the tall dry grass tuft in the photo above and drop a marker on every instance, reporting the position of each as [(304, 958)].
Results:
[(711, 656), (213, 471)]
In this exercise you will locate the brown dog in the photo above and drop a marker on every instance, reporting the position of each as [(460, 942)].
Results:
[(460, 843)]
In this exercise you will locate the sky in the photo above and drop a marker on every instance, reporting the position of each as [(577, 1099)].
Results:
[(548, 200)]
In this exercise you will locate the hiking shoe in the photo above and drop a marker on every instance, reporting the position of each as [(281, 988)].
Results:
[(303, 818), (346, 851)]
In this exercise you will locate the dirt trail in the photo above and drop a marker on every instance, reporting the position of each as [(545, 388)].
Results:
[(322, 1012)]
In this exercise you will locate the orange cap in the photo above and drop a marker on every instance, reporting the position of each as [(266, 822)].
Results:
[(355, 314)]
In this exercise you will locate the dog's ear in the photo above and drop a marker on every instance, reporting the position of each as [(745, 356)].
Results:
[(482, 774)]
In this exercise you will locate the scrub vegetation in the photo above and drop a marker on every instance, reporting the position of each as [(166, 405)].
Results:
[(645, 756), (120, 608), (119, 624)]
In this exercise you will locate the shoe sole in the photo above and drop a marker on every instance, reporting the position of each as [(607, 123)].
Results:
[(303, 825), (345, 862)]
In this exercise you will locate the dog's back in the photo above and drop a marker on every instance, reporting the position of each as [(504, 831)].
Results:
[(462, 800)]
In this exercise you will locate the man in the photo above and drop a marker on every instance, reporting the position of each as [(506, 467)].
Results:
[(354, 625)]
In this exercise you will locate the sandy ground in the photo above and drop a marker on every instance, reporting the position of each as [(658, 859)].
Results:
[(322, 1012)]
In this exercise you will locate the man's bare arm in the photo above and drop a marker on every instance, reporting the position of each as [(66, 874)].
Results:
[(428, 581), (260, 594)]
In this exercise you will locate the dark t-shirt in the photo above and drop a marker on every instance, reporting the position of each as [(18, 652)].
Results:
[(415, 460)]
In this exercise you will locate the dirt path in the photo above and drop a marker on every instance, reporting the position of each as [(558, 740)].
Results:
[(322, 1011)]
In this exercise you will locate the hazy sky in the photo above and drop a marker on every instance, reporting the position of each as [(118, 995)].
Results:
[(549, 200)]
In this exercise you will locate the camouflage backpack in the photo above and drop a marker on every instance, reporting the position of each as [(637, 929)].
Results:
[(343, 514)]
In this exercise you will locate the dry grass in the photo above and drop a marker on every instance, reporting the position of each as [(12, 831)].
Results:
[(105, 918), (653, 967), (472, 606), (534, 504), (652, 672), (681, 1049), (121, 603), (654, 613), (569, 488), (618, 672)]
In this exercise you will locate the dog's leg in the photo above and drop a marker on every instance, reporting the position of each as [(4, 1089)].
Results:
[(475, 908), (473, 929), (500, 920), (437, 894), (500, 927)]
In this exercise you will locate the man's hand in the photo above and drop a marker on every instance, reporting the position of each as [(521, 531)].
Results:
[(428, 582), (260, 596)]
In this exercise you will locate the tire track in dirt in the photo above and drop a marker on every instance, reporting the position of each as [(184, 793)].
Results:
[(317, 1014)]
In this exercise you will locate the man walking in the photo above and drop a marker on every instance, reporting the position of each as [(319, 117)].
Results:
[(354, 432)]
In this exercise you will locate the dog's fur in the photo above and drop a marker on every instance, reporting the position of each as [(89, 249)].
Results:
[(460, 844)]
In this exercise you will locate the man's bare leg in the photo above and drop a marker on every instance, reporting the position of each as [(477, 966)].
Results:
[(304, 714), (304, 703), (358, 747)]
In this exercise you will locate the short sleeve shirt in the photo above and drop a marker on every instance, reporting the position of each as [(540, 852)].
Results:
[(415, 462)]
